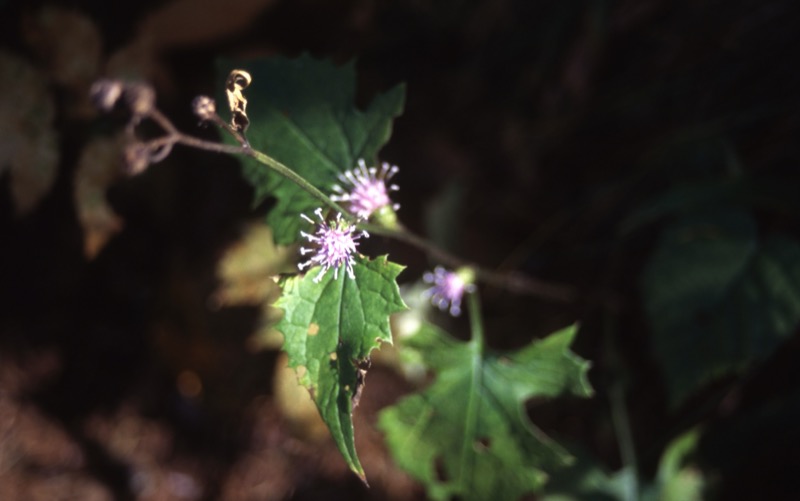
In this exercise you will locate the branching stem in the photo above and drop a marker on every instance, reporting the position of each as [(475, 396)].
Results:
[(510, 281)]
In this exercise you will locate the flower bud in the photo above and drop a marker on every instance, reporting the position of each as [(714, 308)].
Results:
[(449, 287), (137, 158), (105, 93), (141, 98), (204, 107)]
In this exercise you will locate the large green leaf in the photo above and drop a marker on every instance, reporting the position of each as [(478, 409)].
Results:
[(302, 113), (331, 325), (719, 297), (468, 434)]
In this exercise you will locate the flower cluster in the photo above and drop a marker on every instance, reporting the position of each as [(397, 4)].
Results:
[(333, 245), (366, 191), (448, 288)]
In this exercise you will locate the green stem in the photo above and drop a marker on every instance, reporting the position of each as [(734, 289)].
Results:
[(509, 281), (619, 414), (622, 429), (297, 179), (475, 321), (467, 460), (505, 280), (174, 135)]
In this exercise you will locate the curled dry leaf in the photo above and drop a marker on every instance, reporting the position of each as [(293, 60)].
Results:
[(28, 143), (98, 167), (237, 81)]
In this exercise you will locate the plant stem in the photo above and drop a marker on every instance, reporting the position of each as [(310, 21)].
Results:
[(297, 179), (619, 414), (509, 281), (622, 429), (475, 321), (175, 136), (505, 280)]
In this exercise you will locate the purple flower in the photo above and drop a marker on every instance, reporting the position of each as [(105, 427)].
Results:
[(333, 245), (448, 288), (365, 189)]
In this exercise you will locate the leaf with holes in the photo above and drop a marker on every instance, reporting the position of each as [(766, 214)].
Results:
[(329, 327), (468, 435), (302, 113)]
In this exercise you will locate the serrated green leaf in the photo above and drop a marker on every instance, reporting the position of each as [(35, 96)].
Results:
[(331, 325), (718, 297), (302, 113), (468, 434)]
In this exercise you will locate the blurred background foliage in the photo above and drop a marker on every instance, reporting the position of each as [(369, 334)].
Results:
[(642, 152)]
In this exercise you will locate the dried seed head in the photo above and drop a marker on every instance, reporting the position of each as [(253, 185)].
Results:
[(105, 93), (204, 107), (141, 98), (137, 158)]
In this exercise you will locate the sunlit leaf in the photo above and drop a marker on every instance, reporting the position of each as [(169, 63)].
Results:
[(247, 274), (468, 435), (329, 327), (302, 112), (298, 409), (719, 297)]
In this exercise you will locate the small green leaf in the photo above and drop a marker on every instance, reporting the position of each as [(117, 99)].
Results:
[(331, 325), (718, 297), (468, 434), (302, 113), (677, 480), (678, 477)]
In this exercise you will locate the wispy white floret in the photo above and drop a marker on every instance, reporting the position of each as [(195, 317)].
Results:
[(448, 289), (364, 189), (332, 245)]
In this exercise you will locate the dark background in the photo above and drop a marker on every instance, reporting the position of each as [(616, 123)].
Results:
[(531, 130)]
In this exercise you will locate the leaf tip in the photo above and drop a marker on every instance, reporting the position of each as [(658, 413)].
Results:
[(362, 476)]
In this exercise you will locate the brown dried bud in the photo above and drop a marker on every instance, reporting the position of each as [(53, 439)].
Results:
[(105, 93), (204, 107), (141, 98), (137, 158)]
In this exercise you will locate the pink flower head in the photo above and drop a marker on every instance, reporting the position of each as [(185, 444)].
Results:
[(333, 245), (365, 189), (448, 288)]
